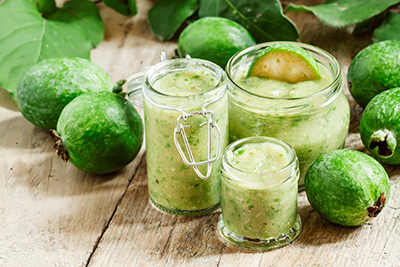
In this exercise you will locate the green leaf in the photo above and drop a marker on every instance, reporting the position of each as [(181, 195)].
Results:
[(343, 13), (85, 15), (27, 38), (124, 7), (369, 24), (45, 6), (389, 30), (166, 16), (263, 19)]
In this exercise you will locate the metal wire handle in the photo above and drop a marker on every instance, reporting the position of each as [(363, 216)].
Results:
[(180, 129)]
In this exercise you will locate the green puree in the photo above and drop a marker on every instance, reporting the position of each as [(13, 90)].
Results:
[(185, 83), (274, 88), (258, 206), (258, 158), (310, 131), (173, 185)]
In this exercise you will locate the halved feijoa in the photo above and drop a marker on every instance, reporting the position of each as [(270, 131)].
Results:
[(285, 62)]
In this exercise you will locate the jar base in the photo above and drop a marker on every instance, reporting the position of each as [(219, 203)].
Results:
[(257, 244), (184, 212)]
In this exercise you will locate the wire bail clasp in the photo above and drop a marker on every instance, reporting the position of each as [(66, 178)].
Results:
[(180, 129)]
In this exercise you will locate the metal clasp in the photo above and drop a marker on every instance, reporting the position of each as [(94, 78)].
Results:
[(180, 129)]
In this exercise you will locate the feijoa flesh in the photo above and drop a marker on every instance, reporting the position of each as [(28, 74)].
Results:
[(380, 126), (47, 87), (374, 70), (285, 62), (347, 187), (99, 132)]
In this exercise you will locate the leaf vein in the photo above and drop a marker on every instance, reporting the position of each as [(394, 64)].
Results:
[(41, 41), (246, 19)]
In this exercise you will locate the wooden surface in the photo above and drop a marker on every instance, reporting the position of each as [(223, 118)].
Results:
[(52, 214)]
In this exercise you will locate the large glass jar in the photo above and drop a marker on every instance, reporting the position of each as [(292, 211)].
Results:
[(312, 124), (186, 124), (259, 194)]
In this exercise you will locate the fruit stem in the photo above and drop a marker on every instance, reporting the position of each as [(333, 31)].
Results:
[(117, 88), (374, 210), (385, 143), (59, 145)]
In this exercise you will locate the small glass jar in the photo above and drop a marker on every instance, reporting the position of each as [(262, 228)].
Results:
[(313, 124), (259, 210), (185, 133)]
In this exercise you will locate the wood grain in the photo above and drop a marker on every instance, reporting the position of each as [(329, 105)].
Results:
[(52, 214)]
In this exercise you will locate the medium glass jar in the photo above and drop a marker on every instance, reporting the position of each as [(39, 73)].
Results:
[(259, 194), (312, 124), (186, 124)]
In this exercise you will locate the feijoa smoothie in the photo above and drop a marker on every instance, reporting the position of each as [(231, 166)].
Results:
[(312, 115), (259, 191), (173, 186)]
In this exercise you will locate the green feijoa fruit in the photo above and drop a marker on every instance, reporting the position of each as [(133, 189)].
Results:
[(215, 39), (373, 70), (380, 126), (347, 187), (285, 62), (99, 132), (46, 88)]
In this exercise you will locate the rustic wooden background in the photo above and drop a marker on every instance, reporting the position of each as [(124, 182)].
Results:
[(52, 214)]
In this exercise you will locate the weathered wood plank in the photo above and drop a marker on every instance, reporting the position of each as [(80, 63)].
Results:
[(51, 212)]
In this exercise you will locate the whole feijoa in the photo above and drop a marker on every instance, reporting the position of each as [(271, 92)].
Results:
[(347, 187), (373, 70), (47, 87), (215, 39), (380, 126), (99, 132)]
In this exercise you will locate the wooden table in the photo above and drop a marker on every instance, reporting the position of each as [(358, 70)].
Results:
[(52, 214)]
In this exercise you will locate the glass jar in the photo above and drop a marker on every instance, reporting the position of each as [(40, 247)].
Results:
[(185, 132), (312, 124), (259, 204)]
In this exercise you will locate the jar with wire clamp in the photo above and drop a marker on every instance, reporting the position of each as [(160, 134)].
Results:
[(186, 124)]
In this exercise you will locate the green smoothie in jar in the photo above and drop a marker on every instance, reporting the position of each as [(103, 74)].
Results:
[(172, 91), (259, 194), (311, 115)]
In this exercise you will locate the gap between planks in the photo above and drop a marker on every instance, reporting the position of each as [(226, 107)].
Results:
[(114, 211)]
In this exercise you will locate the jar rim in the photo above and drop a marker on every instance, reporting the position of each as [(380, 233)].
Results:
[(336, 79), (260, 139), (188, 61)]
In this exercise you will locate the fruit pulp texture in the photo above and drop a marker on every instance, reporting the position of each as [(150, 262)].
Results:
[(258, 207), (173, 185), (311, 134)]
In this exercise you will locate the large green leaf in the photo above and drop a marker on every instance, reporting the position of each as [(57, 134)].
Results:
[(166, 16), (125, 7), (389, 30), (27, 38), (263, 19), (342, 13), (85, 15)]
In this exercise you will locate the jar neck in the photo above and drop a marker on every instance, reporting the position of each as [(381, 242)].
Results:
[(247, 99), (162, 100), (286, 175)]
